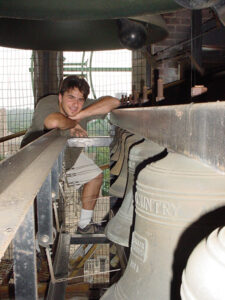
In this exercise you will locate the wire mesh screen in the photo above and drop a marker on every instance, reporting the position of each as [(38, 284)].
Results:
[(139, 70), (16, 96), (96, 269), (108, 72), (16, 106)]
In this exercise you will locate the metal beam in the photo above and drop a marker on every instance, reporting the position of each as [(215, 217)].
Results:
[(194, 130), (21, 177), (100, 141), (57, 290), (25, 273), (80, 239), (55, 180)]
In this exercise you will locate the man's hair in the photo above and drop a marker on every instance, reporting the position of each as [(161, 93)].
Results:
[(72, 82)]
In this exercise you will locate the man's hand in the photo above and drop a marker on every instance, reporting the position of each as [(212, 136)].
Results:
[(78, 131), (75, 118)]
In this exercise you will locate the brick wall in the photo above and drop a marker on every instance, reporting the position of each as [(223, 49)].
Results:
[(178, 25), (179, 28)]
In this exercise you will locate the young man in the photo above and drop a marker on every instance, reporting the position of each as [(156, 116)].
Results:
[(70, 111)]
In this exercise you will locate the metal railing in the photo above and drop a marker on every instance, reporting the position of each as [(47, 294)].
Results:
[(23, 176), (34, 172)]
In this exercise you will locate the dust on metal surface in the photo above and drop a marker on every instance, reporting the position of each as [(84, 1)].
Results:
[(194, 130), (100, 141)]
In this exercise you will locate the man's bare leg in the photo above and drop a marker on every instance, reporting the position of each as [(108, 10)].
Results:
[(89, 197), (90, 192)]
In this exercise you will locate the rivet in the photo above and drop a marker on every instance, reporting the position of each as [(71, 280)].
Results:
[(45, 238)]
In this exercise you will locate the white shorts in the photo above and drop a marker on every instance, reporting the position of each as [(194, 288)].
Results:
[(82, 171)]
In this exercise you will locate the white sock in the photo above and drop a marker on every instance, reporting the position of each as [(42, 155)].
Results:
[(85, 217)]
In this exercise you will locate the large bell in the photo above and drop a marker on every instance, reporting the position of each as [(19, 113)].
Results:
[(115, 142), (116, 145), (115, 170), (174, 199), (204, 275), (82, 10), (119, 186), (117, 153), (66, 32), (197, 4), (118, 228)]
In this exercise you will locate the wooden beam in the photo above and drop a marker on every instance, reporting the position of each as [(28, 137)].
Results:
[(82, 261), (7, 291)]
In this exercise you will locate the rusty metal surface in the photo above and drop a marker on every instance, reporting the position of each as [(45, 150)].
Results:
[(194, 130), (12, 136), (21, 177)]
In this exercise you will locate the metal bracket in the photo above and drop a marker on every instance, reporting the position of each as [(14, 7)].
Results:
[(44, 213)]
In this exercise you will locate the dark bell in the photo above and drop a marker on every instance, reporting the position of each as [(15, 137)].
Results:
[(196, 4), (132, 35)]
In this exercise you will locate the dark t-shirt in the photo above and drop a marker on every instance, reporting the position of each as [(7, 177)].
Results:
[(46, 106)]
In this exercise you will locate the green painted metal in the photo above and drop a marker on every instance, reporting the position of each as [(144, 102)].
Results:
[(94, 69), (83, 67), (79, 75), (83, 63), (67, 35), (61, 35), (90, 76), (31, 70), (82, 9)]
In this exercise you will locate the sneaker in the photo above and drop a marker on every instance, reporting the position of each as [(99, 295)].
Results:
[(91, 228)]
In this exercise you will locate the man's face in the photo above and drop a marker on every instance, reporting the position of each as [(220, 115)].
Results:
[(71, 102)]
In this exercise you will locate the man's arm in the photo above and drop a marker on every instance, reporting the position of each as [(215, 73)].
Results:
[(101, 107), (58, 120)]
